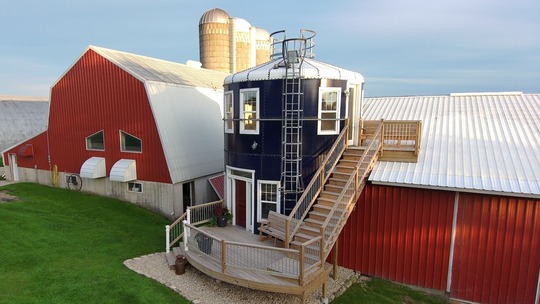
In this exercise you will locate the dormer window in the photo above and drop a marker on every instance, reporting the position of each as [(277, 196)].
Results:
[(130, 143), (95, 142)]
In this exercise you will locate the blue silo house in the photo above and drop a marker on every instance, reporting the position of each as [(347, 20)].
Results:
[(279, 118)]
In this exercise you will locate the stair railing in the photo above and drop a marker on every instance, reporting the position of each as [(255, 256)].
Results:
[(198, 214), (351, 190), (315, 186)]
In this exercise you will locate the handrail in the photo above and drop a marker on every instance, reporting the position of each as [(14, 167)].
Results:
[(175, 231), (220, 254), (321, 175), (354, 177)]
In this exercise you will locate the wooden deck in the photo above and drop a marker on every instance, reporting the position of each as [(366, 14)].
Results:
[(239, 258)]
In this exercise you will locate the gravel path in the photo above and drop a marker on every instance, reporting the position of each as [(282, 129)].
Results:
[(202, 289)]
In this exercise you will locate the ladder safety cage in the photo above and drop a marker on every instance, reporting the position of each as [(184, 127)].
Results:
[(293, 52)]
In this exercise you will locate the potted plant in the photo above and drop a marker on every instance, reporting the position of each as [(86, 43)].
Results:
[(221, 215)]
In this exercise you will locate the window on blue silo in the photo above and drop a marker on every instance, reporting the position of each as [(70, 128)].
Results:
[(329, 100), (95, 142), (130, 143), (268, 192), (249, 111), (229, 112)]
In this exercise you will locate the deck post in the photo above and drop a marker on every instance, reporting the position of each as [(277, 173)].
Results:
[(167, 235), (324, 291), (186, 234), (188, 215), (223, 256)]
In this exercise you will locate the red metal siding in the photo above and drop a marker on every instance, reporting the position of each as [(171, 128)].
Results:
[(39, 157), (97, 95), (497, 249), (400, 234)]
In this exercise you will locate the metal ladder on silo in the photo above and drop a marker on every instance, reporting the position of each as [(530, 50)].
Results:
[(292, 123)]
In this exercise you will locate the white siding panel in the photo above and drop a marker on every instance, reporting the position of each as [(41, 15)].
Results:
[(484, 142), (190, 126)]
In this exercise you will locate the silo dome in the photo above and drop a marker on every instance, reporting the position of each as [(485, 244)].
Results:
[(215, 15), (261, 34), (242, 25)]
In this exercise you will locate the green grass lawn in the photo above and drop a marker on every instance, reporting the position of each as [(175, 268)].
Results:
[(385, 292), (61, 246)]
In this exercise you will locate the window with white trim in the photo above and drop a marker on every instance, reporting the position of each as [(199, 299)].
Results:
[(229, 112), (249, 111), (268, 194), (95, 142), (130, 143), (329, 100), (135, 187)]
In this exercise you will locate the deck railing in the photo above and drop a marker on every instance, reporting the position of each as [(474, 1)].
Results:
[(196, 215), (311, 192), (401, 135), (288, 263)]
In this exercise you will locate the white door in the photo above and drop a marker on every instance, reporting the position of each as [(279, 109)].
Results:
[(13, 167), (353, 113)]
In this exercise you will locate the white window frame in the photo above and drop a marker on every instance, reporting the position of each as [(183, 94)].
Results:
[(123, 144), (337, 111), (227, 113), (132, 185), (88, 137), (259, 197), (242, 112)]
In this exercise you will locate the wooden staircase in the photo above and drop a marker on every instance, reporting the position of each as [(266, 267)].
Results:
[(337, 199)]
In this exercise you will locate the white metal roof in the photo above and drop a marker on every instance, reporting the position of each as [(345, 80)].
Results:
[(470, 142), (190, 126), (151, 69), (21, 118), (311, 69)]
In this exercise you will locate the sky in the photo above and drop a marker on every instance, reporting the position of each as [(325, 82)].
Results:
[(401, 47)]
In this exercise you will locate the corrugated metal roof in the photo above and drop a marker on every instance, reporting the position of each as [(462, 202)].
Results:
[(311, 69), (152, 69), (190, 126), (21, 118), (475, 142)]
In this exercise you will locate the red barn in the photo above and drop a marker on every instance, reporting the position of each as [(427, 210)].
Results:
[(140, 129), (464, 219)]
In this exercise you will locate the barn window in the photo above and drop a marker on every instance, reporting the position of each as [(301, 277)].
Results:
[(268, 198), (229, 112), (135, 187), (249, 111), (130, 143), (329, 100), (95, 142)]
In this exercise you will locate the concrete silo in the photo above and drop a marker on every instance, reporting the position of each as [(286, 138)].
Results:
[(214, 40), (231, 44)]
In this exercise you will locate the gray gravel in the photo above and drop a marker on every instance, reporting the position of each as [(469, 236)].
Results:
[(202, 289)]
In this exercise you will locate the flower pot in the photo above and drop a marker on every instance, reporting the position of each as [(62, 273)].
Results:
[(221, 221)]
